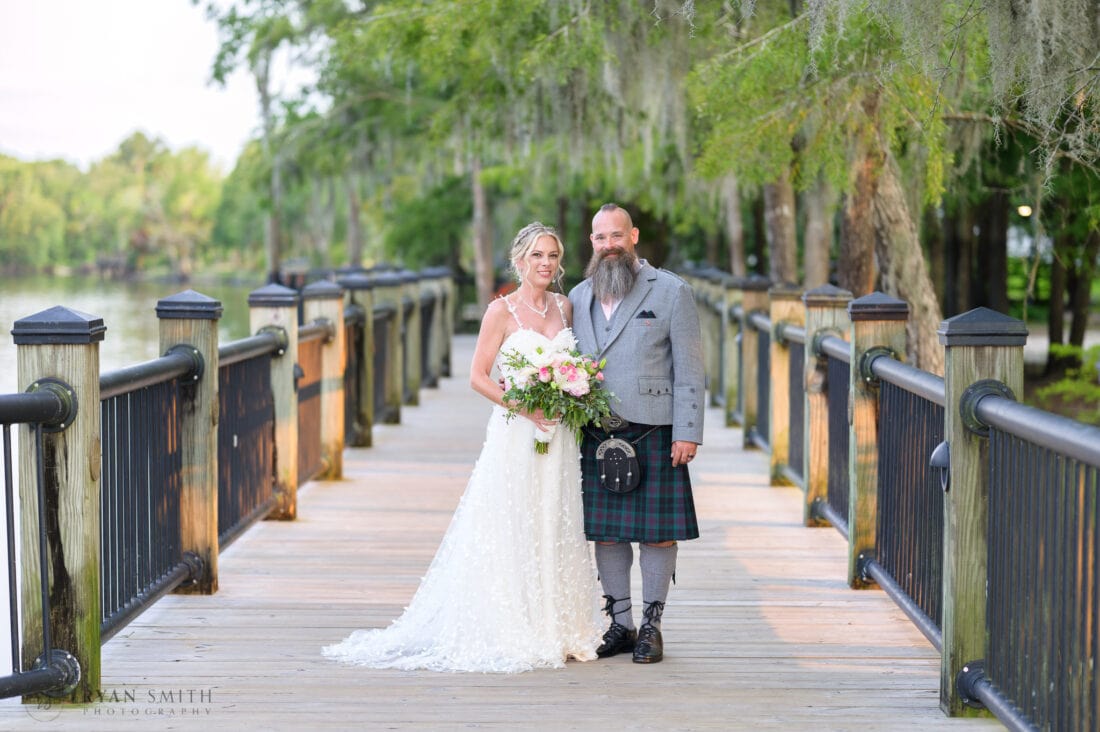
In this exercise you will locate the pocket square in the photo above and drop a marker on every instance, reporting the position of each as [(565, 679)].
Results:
[(646, 314)]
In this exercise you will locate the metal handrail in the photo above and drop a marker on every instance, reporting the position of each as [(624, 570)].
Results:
[(250, 347), (835, 346), (1054, 432), (910, 378), (172, 365)]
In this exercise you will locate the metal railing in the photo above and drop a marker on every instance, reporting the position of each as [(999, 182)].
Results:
[(246, 434), (1044, 573), (140, 551), (908, 564)]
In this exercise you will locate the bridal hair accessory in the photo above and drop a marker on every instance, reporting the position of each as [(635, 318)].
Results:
[(562, 383)]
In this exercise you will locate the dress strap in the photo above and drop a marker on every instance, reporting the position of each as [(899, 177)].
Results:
[(512, 310), (561, 310)]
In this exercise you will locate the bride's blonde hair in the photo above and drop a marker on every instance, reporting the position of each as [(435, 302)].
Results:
[(525, 241)]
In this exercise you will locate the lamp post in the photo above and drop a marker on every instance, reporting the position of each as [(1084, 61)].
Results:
[(1025, 212)]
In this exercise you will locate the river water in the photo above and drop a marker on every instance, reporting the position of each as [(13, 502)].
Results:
[(128, 309)]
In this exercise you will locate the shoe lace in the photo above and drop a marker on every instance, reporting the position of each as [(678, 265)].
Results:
[(652, 613), (609, 608)]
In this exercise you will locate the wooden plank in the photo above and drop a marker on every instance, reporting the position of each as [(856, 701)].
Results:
[(761, 630)]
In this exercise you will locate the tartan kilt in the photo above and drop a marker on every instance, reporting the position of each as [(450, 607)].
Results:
[(660, 509)]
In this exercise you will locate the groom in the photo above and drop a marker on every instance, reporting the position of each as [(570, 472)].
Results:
[(643, 321)]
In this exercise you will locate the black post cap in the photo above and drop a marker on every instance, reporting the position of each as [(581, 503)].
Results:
[(273, 296), (58, 325), (356, 281), (982, 327), (878, 306), (756, 283), (826, 295), (387, 279), (322, 290), (785, 291), (189, 305)]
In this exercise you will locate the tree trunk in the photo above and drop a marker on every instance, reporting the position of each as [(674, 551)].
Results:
[(992, 262), (563, 218), (584, 219), (710, 241), (932, 232), (964, 261), (904, 273), (756, 261), (735, 228), (274, 220), (856, 260), (1056, 311), (779, 217), (355, 225), (1079, 295), (856, 269), (483, 242), (818, 245)]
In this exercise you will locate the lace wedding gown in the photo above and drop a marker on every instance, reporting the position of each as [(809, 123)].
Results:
[(512, 586)]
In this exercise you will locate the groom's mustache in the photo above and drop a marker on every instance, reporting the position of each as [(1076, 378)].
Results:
[(612, 250)]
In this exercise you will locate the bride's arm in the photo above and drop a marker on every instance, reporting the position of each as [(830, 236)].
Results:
[(489, 339), (494, 329)]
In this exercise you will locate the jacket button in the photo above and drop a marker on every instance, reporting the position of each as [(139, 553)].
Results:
[(694, 406), (691, 424)]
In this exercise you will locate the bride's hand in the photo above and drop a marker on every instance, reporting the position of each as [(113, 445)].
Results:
[(541, 421)]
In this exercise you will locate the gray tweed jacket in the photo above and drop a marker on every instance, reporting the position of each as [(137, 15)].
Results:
[(653, 349)]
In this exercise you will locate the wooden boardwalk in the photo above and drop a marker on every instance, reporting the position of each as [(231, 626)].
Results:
[(761, 632)]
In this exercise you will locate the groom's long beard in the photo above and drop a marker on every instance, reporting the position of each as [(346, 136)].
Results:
[(612, 277)]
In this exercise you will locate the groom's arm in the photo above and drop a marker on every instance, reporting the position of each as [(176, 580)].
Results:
[(688, 377)]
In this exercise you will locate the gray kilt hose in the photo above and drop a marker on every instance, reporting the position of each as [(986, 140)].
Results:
[(660, 509)]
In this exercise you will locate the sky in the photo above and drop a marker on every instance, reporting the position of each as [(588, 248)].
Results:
[(79, 76)]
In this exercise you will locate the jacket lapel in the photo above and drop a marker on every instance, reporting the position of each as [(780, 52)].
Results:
[(582, 317), (630, 304)]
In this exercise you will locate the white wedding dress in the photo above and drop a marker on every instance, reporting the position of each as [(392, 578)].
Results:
[(512, 586)]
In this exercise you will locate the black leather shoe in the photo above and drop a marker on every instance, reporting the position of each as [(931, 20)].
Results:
[(617, 639), (650, 647)]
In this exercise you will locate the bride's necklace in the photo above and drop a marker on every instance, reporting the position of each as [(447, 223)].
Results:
[(532, 308)]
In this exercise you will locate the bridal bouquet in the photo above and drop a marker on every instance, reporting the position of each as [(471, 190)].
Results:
[(562, 383)]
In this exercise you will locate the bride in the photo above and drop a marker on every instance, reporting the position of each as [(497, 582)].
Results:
[(512, 586)]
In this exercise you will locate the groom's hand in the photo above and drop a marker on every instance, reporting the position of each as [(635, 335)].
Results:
[(683, 452)]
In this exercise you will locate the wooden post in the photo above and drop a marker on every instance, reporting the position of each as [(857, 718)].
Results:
[(786, 309), (275, 308), (878, 327), (980, 346), (388, 292), (447, 322), (731, 348), (754, 300), (432, 283), (707, 302), (62, 344), (359, 287), (410, 301), (191, 319), (324, 300), (826, 314)]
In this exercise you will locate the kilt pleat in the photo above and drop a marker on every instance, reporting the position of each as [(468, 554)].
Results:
[(660, 509)]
